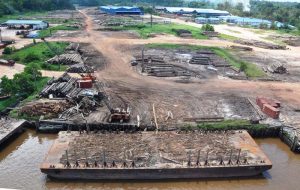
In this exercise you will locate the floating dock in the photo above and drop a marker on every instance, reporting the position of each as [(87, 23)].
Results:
[(154, 155), (10, 127)]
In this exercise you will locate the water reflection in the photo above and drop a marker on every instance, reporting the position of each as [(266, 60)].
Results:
[(20, 161)]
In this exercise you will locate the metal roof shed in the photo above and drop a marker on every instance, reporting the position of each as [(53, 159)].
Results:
[(36, 24), (115, 10)]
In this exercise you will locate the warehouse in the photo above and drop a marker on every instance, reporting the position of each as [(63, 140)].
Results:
[(33, 24), (114, 10), (200, 12), (245, 21), (203, 20)]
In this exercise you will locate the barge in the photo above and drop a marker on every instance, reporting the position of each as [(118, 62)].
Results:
[(154, 155), (9, 128)]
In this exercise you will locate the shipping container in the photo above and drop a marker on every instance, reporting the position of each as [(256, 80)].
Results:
[(85, 84)]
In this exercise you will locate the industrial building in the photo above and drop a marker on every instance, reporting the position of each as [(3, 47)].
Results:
[(203, 20), (124, 10), (34, 24), (200, 12), (246, 21)]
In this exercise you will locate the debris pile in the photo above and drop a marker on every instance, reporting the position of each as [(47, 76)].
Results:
[(46, 108), (277, 68), (66, 59), (206, 57), (260, 44)]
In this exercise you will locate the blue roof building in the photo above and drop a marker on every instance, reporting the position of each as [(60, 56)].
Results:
[(123, 10)]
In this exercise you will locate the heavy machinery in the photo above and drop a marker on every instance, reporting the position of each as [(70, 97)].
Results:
[(116, 114), (88, 76)]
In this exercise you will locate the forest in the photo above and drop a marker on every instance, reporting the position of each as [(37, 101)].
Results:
[(16, 6)]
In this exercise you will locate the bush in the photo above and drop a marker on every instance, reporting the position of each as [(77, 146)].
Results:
[(243, 66), (31, 57), (208, 27), (8, 50)]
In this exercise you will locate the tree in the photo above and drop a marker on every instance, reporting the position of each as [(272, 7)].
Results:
[(6, 85), (208, 27)]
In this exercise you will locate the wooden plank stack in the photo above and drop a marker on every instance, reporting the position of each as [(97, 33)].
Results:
[(80, 68)]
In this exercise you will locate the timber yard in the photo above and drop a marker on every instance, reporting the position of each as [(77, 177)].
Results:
[(132, 100)]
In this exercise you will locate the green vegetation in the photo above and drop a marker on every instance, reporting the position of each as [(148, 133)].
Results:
[(145, 30), (230, 125), (38, 54), (208, 27), (17, 6), (49, 31), (24, 86), (228, 37), (250, 69)]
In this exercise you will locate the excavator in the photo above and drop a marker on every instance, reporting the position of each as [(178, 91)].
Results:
[(117, 115)]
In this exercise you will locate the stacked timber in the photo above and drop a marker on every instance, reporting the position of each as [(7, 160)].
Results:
[(66, 59), (182, 32), (80, 68), (260, 44), (165, 70), (241, 48), (211, 33), (277, 68), (49, 108), (200, 60), (59, 88), (73, 47)]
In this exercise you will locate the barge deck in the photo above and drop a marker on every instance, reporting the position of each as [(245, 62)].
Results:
[(10, 127), (154, 155)]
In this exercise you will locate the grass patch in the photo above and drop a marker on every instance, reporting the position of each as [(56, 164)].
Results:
[(228, 37), (38, 53), (251, 70), (7, 102), (49, 31), (145, 29), (231, 125)]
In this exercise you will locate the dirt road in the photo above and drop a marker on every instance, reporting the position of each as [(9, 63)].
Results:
[(119, 74)]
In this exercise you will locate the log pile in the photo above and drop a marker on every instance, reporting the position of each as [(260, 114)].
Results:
[(182, 32), (49, 108), (260, 44), (165, 70), (200, 60), (65, 86), (66, 59), (277, 68), (73, 47), (242, 48), (211, 33), (80, 68)]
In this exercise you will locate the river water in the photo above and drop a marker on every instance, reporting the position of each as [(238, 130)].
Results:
[(20, 160)]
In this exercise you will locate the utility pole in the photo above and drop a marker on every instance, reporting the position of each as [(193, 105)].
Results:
[(1, 35)]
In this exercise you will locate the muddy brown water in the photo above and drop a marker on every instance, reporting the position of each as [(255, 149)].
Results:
[(20, 160)]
